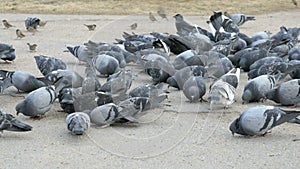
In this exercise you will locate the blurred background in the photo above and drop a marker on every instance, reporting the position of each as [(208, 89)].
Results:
[(129, 7)]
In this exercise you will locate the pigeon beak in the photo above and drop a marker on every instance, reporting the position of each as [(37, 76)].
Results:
[(18, 113), (232, 133)]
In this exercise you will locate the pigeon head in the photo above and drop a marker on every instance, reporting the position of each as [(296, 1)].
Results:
[(247, 96), (75, 126), (178, 17), (172, 82), (234, 126), (271, 94)]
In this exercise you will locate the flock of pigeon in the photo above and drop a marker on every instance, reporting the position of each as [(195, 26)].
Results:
[(220, 53)]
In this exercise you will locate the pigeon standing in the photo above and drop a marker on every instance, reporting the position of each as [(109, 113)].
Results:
[(6, 24), (23, 81), (10, 123), (133, 26), (32, 47), (78, 123), (258, 120), (19, 34), (91, 27), (152, 17), (256, 88), (194, 88), (7, 52), (32, 22), (239, 19), (286, 94), (162, 13), (37, 102)]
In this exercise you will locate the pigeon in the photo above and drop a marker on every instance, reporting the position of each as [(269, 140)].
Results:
[(9, 123), (32, 47), (182, 75), (294, 53), (106, 64), (182, 26), (66, 99), (118, 83), (147, 90), (263, 66), (152, 17), (7, 52), (32, 22), (287, 94), (6, 24), (64, 78), (295, 74), (194, 88), (255, 89), (161, 12), (247, 59), (91, 27), (19, 34), (104, 115), (48, 64), (23, 81), (239, 19), (33, 105), (42, 23), (259, 120), (78, 123), (81, 52), (133, 26)]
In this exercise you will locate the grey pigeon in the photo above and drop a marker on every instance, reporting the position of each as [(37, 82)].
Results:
[(182, 75), (255, 89), (104, 115), (294, 53), (261, 35), (148, 90), (48, 64), (295, 74), (81, 52), (249, 58), (258, 120), (106, 64), (286, 94), (239, 19), (194, 88), (66, 100), (32, 22), (78, 123), (37, 102), (7, 52), (10, 123), (23, 81), (64, 78), (187, 58)]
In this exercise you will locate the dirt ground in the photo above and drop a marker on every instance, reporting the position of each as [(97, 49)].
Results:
[(183, 135)]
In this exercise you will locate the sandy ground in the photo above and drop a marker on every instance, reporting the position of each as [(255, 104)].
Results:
[(184, 135)]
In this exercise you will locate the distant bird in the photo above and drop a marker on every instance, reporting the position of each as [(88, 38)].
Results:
[(6, 24), (259, 120), (295, 2), (42, 23), (78, 123), (162, 13), (10, 123), (152, 17), (91, 27), (19, 34), (133, 26), (7, 52), (31, 29), (32, 22), (37, 102), (32, 47), (239, 19)]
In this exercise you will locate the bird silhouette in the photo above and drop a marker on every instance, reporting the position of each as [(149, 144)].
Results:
[(91, 27), (152, 17), (19, 34), (162, 13), (6, 24), (32, 47), (133, 26)]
